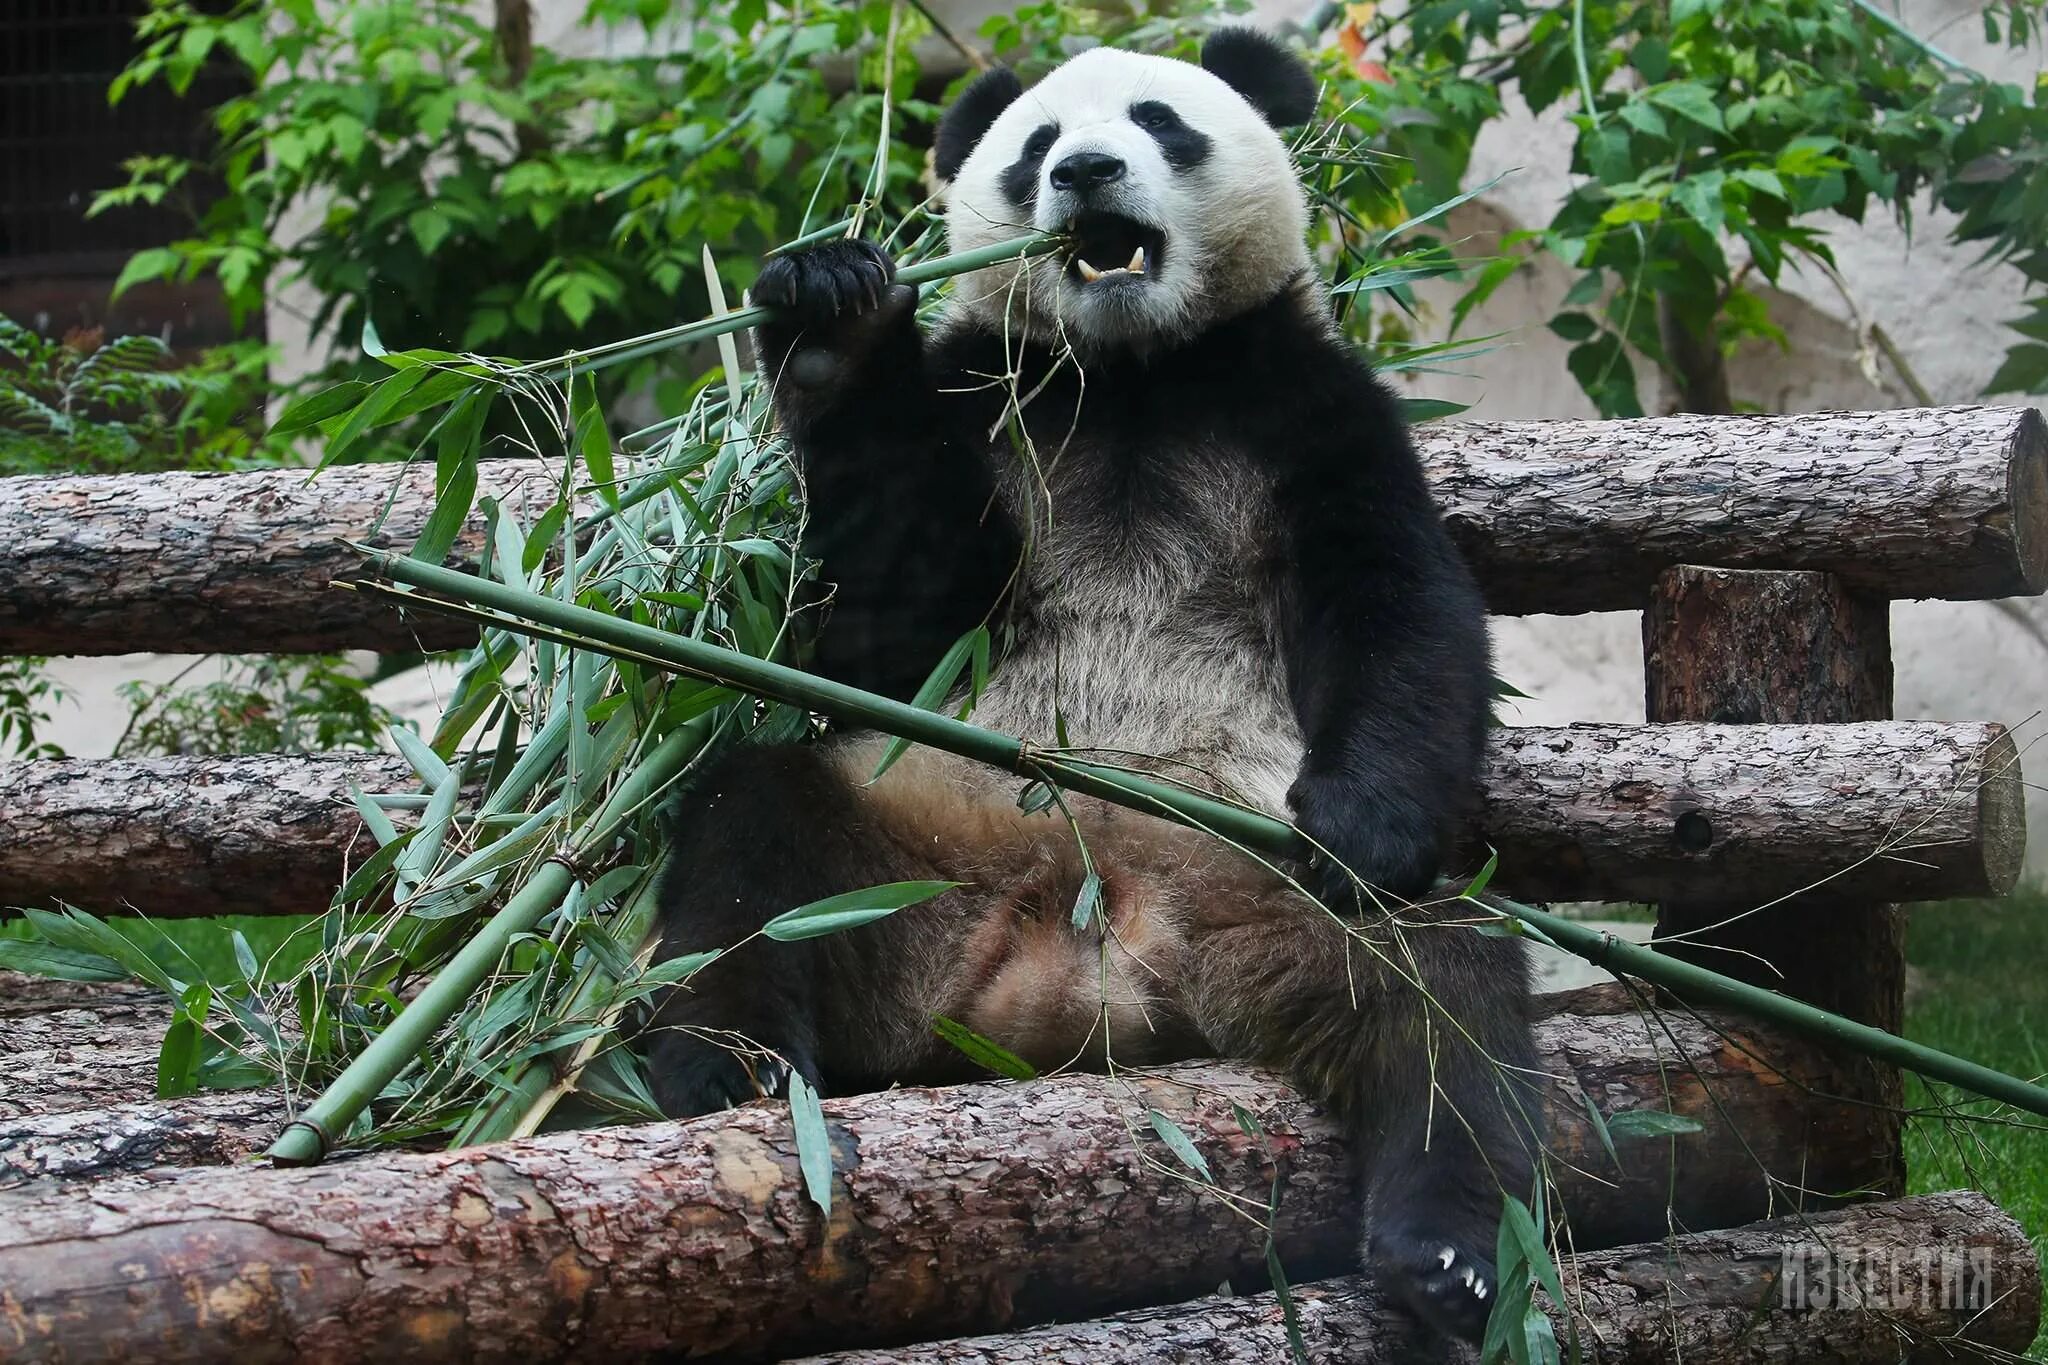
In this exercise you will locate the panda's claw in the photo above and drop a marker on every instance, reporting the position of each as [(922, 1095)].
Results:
[(1449, 1288), (827, 281)]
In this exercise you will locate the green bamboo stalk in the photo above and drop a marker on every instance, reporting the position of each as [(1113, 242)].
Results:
[(924, 272), (307, 1139), (1241, 825)]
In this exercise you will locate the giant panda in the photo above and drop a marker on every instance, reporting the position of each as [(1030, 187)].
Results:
[(1194, 521)]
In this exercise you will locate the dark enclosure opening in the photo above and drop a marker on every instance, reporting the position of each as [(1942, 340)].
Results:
[(61, 143)]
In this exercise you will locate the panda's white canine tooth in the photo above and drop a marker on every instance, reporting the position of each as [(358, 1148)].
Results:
[(1088, 272), (1137, 265), (1447, 1255)]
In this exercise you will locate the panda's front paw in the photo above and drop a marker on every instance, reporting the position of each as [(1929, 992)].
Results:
[(1392, 845), (1442, 1280), (826, 282), (692, 1075)]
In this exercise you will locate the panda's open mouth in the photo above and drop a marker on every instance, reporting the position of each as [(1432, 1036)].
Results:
[(1111, 250)]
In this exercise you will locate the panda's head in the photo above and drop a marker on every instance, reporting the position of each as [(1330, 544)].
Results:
[(1172, 177)]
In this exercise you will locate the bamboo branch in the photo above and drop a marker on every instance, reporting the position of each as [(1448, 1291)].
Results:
[(1240, 825)]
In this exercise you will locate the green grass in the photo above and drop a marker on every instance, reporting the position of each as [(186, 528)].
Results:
[(1980, 989)]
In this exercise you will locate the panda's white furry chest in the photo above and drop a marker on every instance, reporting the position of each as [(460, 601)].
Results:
[(1146, 617)]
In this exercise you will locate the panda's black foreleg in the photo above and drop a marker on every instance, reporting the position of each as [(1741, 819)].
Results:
[(767, 829), (1416, 1033)]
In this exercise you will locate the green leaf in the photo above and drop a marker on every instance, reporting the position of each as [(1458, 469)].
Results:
[(1642, 116), (1089, 900), (455, 471), (177, 1061), (1180, 1145), (1690, 100), (1290, 1316), (245, 958), (316, 408), (1648, 1123), (1573, 326), (813, 1142), (593, 441), (677, 969), (1700, 196), (851, 910), (1416, 411), (1477, 886), (155, 263), (77, 930), (2025, 371), (62, 964), (971, 647), (981, 1051), (1594, 1117), (541, 539)]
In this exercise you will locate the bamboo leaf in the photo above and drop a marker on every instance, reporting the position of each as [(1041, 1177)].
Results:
[(374, 819), (177, 1062), (1477, 886), (851, 910), (61, 964), (1290, 1316), (315, 408), (84, 933), (432, 770), (813, 1142), (593, 441), (1180, 1144), (455, 470), (677, 969), (982, 1051), (1649, 1123), (1089, 901), (245, 958), (937, 684)]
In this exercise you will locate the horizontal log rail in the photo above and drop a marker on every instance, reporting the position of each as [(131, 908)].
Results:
[(954, 1211), (1556, 516), (1959, 1273), (1909, 809)]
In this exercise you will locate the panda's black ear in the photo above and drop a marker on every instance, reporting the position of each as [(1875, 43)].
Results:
[(990, 93), (1273, 80)]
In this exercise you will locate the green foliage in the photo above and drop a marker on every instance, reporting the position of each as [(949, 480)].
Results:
[(297, 704), (481, 193), (1715, 140), (27, 692), (85, 404)]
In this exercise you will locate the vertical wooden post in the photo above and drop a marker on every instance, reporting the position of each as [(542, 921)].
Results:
[(1754, 647)]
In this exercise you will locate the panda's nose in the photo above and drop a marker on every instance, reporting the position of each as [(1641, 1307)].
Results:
[(1084, 171)]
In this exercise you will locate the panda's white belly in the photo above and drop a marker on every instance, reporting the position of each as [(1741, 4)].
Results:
[(1152, 640)]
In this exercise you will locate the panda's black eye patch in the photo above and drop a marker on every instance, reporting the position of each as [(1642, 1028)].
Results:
[(1020, 178), (1183, 147)]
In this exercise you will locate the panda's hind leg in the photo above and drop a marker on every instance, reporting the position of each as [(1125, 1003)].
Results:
[(1414, 1029), (766, 829)]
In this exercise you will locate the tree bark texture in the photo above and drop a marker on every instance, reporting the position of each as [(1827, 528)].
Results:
[(959, 1210), (66, 1045), (1954, 1272), (187, 563), (1555, 517), (184, 836), (1760, 648), (1583, 516), (1579, 813), (211, 1128)]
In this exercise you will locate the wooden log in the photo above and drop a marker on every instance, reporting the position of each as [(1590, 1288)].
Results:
[(1630, 813), (268, 834), (1752, 648), (1929, 1279), (186, 563), (1583, 516), (68, 1045), (953, 1211), (212, 1128), (1555, 516)]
